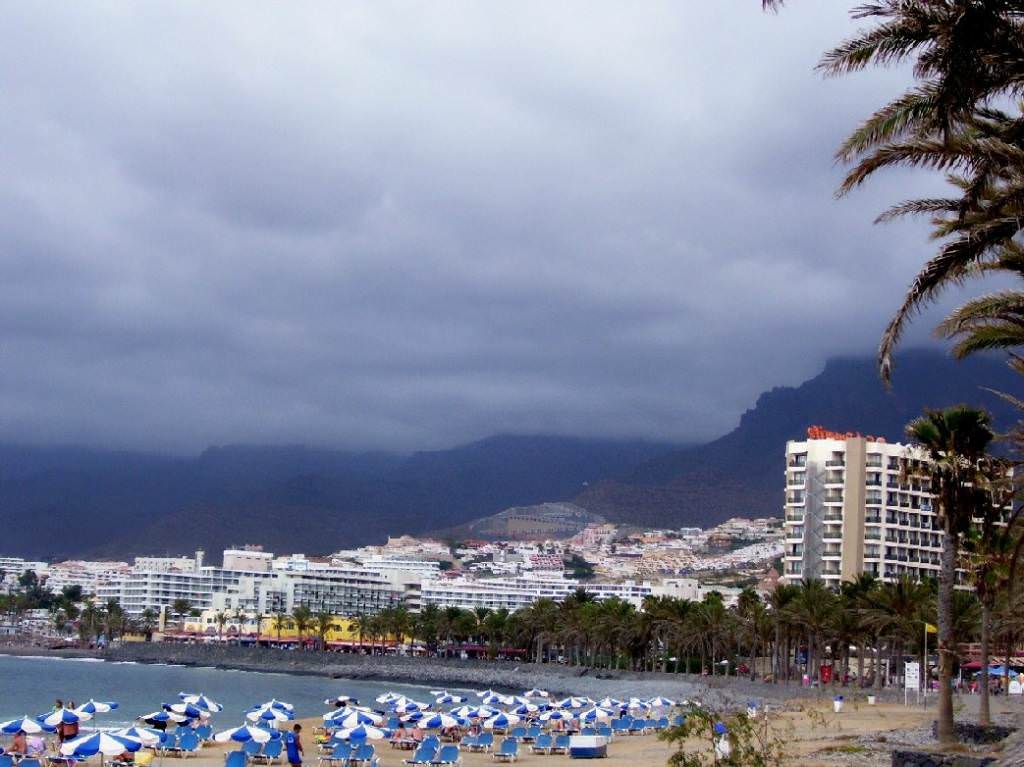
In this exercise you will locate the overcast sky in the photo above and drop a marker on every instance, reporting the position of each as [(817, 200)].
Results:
[(406, 225)]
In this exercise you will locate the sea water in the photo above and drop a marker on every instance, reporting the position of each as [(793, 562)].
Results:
[(29, 686)]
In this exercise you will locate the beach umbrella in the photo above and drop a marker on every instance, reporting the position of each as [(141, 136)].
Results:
[(496, 700), (536, 693), (144, 735), (62, 716), (555, 716), (501, 721), (187, 710), (448, 698), (243, 734), (526, 709), (635, 704), (201, 701), (362, 732), (96, 707), (163, 716), (439, 721), (414, 716), (408, 706), (280, 705), (595, 715), (25, 725), (348, 719), (517, 700), (267, 713), (388, 697), (469, 712), (340, 700), (609, 703), (100, 743), (574, 702), (485, 693), (661, 702)]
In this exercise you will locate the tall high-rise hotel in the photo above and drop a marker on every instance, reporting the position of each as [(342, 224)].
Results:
[(857, 504)]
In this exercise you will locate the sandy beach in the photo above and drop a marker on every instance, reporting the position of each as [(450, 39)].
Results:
[(813, 734)]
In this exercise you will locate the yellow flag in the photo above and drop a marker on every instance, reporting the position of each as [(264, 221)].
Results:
[(930, 628)]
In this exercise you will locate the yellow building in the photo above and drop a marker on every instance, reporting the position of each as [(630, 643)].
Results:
[(210, 626)]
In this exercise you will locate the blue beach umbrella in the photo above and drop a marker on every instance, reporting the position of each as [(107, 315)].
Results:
[(596, 715), (25, 725), (280, 705), (163, 716), (448, 698), (555, 716), (526, 709), (439, 721), (243, 734), (501, 721), (349, 719), (269, 714), (188, 710), (388, 697), (408, 706), (413, 716), (362, 732), (609, 703), (144, 735), (574, 702), (536, 693), (62, 716), (494, 699), (100, 743), (96, 707), (469, 712), (201, 701), (340, 700), (661, 702)]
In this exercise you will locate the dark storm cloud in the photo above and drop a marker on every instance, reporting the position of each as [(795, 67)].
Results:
[(405, 225)]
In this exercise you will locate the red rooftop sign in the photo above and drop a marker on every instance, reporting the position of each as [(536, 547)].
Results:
[(820, 432)]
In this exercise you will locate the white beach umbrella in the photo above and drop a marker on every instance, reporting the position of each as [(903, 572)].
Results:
[(595, 715), (201, 701), (268, 714), (660, 702), (25, 725), (574, 702), (348, 719), (362, 732), (63, 716), (389, 697), (439, 722), (495, 699), (535, 692), (145, 735), (555, 716), (163, 716), (100, 743), (243, 734), (447, 698), (607, 702), (96, 707), (501, 721), (340, 700)]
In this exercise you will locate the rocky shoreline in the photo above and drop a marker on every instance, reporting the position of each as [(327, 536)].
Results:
[(504, 675)]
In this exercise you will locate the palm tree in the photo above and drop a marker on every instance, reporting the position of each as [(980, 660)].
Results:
[(813, 610), (221, 619), (956, 439), (302, 618), (147, 622), (280, 621), (324, 623)]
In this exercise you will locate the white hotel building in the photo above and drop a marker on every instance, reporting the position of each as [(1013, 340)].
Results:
[(858, 504)]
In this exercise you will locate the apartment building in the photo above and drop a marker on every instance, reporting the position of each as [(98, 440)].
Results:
[(858, 504)]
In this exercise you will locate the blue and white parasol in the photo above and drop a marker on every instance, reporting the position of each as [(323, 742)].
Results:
[(201, 701), (340, 700), (349, 719), (439, 722), (362, 732), (100, 743), (574, 702), (661, 702), (62, 716), (501, 721), (536, 693), (244, 734), (269, 714), (596, 715), (163, 716), (96, 707), (448, 698), (145, 735), (25, 725)]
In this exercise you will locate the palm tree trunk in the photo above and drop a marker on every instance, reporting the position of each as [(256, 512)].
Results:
[(946, 731), (984, 713), (860, 663)]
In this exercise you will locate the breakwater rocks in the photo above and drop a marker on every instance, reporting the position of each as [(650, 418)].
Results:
[(921, 759), (968, 732)]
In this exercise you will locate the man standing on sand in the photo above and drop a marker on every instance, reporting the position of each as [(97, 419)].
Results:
[(293, 745)]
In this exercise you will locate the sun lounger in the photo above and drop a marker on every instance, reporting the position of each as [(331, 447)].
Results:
[(448, 755), (423, 755), (508, 751), (542, 744), (518, 733), (270, 753), (338, 756), (561, 745), (236, 759)]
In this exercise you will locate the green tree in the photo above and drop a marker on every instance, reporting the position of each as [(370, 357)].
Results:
[(302, 619), (956, 440)]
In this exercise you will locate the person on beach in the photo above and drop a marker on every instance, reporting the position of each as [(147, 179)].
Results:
[(293, 745), (18, 743)]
